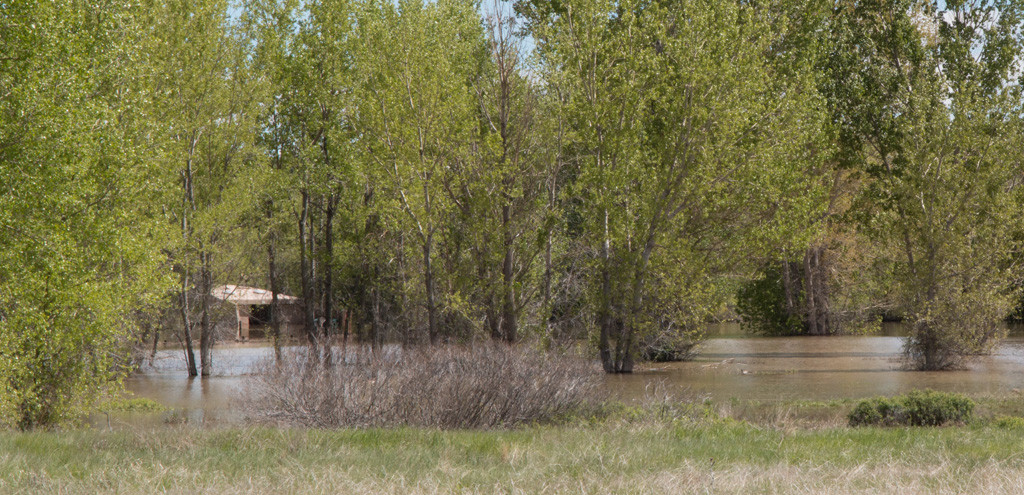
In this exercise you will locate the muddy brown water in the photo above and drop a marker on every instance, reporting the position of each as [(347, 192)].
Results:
[(730, 365)]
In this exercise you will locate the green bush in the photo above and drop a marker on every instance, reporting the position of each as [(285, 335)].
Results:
[(917, 408), (1010, 422)]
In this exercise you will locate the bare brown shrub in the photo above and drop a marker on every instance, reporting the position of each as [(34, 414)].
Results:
[(481, 386)]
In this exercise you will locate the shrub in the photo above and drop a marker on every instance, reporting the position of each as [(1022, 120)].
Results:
[(917, 408), (1010, 422), (443, 387)]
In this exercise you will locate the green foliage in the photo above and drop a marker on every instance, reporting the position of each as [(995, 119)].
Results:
[(1018, 311), (651, 153), (78, 233), (761, 304), (687, 158), (929, 109), (1009, 422), (917, 408)]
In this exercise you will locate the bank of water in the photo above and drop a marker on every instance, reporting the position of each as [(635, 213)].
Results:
[(730, 365)]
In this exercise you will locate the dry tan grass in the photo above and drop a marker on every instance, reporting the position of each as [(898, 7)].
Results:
[(990, 478), (616, 459)]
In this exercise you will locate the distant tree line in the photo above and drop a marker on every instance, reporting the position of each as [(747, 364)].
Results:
[(611, 172)]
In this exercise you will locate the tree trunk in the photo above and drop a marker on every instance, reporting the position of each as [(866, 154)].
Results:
[(547, 284), (605, 314), (275, 305), (508, 316), (403, 278), (188, 205), (787, 286), (190, 356), (328, 272), (428, 281), (375, 319), (493, 319), (305, 264), (206, 329), (821, 294), (156, 342), (625, 363), (812, 310)]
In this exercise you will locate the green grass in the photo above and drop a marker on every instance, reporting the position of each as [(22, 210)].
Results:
[(131, 405), (668, 447), (614, 457)]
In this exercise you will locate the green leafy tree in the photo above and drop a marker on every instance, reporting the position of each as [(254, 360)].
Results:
[(506, 190), (417, 118), (686, 155), (79, 235), (325, 166), (202, 102), (930, 105), (272, 27)]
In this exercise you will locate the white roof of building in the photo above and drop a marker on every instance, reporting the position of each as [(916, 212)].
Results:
[(240, 294)]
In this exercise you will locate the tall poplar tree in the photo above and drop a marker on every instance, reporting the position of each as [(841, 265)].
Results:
[(417, 119), (79, 233), (202, 103)]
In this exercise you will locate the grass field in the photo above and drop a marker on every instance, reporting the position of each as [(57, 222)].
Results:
[(795, 448)]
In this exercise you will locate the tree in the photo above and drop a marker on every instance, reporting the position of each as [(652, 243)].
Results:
[(206, 128), (686, 155), (510, 181), (321, 110), (930, 104), (79, 236), (417, 63), (272, 26)]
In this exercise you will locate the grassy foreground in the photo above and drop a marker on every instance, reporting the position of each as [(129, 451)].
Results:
[(717, 456)]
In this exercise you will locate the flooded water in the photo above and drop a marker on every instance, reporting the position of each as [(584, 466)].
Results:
[(730, 365), (771, 368), (200, 401)]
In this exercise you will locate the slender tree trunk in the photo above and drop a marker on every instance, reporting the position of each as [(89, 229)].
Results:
[(787, 285), (188, 205), (428, 281), (156, 342), (821, 294), (547, 279), (305, 263), (374, 317), (403, 278), (812, 309), (548, 310), (206, 337), (605, 314), (275, 304), (328, 272), (492, 315), (508, 317), (552, 184), (190, 356)]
